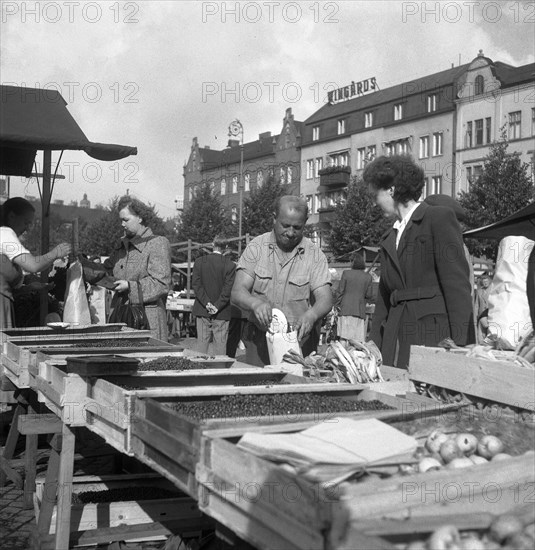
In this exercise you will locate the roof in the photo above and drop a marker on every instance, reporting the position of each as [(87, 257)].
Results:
[(426, 83), (34, 119), (511, 76), (521, 223)]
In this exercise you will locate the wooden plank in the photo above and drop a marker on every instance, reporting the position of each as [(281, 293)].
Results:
[(501, 381), (63, 519), (35, 423)]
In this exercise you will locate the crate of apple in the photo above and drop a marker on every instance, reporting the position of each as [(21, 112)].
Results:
[(460, 450)]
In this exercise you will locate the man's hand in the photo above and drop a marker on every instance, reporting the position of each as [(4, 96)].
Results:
[(121, 286), (305, 324), (263, 313), (212, 310)]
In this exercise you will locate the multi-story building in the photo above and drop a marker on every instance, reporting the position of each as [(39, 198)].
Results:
[(416, 118), (269, 156), (493, 97)]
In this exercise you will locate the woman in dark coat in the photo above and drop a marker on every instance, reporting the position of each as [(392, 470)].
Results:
[(424, 292)]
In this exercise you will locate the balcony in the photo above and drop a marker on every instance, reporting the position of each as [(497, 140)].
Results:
[(335, 176)]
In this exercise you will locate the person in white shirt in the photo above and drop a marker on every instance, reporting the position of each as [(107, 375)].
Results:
[(424, 293), (16, 216)]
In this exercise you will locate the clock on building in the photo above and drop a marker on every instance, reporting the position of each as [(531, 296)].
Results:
[(235, 128)]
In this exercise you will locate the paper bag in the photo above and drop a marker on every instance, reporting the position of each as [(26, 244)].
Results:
[(279, 343), (76, 308)]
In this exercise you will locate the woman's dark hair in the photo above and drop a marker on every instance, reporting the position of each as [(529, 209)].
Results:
[(17, 206), (398, 171), (358, 261), (136, 207)]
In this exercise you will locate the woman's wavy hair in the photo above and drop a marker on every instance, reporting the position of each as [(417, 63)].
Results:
[(398, 171), (136, 207)]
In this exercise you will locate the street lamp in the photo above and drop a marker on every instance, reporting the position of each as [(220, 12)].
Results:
[(236, 129)]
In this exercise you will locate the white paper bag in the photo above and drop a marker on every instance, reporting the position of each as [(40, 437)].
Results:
[(509, 317), (279, 343), (76, 308)]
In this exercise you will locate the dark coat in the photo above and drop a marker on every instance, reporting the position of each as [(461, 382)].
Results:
[(212, 280), (424, 292), (355, 288)]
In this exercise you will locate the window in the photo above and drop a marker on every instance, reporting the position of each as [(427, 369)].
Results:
[(480, 85), (432, 100), (437, 144), (310, 169), (514, 124), (234, 184), (190, 193), (425, 189), (397, 147), (390, 149), (282, 175), (468, 175), (371, 154), (259, 178), (402, 147), (319, 166), (339, 159), (341, 126), (436, 185), (317, 203), (315, 133), (368, 119), (234, 214), (398, 111), (488, 130), (533, 121), (223, 186), (361, 158), (310, 203), (247, 182), (424, 147), (468, 138), (212, 186), (473, 172), (289, 175), (479, 131)]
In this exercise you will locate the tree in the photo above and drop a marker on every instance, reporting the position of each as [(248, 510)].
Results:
[(503, 187), (204, 218), (259, 206), (357, 221)]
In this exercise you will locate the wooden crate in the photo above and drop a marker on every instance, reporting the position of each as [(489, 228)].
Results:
[(170, 442), (500, 380), (105, 515), (468, 498), (8, 333), (20, 352)]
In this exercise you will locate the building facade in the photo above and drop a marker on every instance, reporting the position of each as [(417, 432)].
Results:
[(493, 97), (275, 156)]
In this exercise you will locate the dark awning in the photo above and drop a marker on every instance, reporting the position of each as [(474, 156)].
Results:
[(521, 223), (33, 119)]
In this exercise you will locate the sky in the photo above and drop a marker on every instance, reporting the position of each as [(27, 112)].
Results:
[(156, 74)]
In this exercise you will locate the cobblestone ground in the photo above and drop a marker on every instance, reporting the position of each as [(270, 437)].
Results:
[(16, 523)]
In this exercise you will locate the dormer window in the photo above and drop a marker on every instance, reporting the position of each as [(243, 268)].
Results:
[(479, 85)]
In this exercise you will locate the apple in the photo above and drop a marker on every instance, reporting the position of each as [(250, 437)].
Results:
[(429, 463), (472, 543), (467, 443), (501, 456), (459, 462), (434, 441), (444, 538), (505, 526), (489, 445), (476, 459), (450, 450), (520, 541)]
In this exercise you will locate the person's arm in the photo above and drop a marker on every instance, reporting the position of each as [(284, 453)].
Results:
[(196, 283), (241, 296), (224, 297), (323, 302), (453, 274), (35, 264)]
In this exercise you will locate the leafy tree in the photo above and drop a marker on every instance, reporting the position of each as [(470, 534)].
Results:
[(357, 221), (204, 218), (503, 187), (259, 206)]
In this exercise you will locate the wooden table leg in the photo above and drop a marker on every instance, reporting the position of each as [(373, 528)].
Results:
[(30, 457), (66, 467), (50, 489), (11, 442)]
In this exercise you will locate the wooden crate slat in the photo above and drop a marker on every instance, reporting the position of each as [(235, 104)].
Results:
[(501, 381)]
